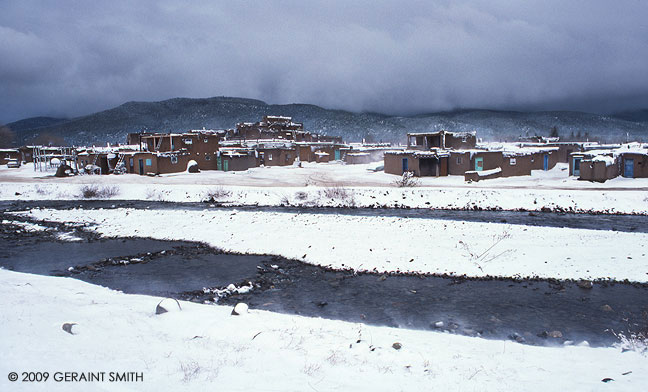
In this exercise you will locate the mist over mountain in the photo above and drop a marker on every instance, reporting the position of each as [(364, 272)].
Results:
[(182, 114)]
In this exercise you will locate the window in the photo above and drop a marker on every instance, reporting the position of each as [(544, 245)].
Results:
[(269, 157), (205, 140), (148, 162), (207, 157), (459, 160), (188, 141), (512, 161), (174, 159)]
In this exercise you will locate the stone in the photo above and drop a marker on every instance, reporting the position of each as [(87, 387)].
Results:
[(397, 346), (585, 284), (607, 308), (439, 324), (555, 334), (240, 309), (67, 327)]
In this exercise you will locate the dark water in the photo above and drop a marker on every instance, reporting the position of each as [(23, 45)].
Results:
[(488, 308), (624, 223)]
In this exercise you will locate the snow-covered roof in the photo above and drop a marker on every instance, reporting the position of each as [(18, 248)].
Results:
[(484, 173), (420, 154), (471, 133), (609, 161)]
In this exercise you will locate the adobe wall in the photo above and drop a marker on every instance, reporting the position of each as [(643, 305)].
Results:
[(640, 164)]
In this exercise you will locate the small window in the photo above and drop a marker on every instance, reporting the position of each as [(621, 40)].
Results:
[(188, 141), (459, 160), (512, 161), (207, 157), (148, 162), (205, 140), (174, 159), (269, 157), (464, 138)]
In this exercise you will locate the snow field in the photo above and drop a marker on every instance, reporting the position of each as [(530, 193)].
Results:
[(306, 187), (386, 244), (203, 346)]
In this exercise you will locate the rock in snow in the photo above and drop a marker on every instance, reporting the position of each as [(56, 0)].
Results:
[(67, 327), (240, 309)]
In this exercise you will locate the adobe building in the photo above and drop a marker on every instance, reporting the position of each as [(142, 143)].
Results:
[(236, 159), (421, 163), (270, 127), (512, 162), (358, 153), (442, 140), (7, 154), (599, 168), (308, 151), (633, 163)]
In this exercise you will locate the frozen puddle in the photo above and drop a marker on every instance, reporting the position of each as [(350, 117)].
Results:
[(536, 312)]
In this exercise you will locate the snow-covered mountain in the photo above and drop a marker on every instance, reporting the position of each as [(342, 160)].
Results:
[(181, 114)]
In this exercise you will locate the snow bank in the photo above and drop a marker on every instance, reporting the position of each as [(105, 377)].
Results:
[(271, 186), (387, 243), (203, 347)]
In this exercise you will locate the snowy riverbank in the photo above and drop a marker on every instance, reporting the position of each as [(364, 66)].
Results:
[(386, 244), (203, 346), (342, 185)]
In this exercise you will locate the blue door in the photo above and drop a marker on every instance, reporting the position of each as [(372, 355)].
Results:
[(337, 155), (479, 164), (405, 165), (628, 168), (577, 166), (545, 165)]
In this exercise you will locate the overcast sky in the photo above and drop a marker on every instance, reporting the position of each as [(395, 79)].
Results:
[(68, 58)]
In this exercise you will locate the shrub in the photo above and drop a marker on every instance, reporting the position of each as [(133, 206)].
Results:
[(217, 193), (632, 341), (301, 195), (92, 191), (339, 194), (153, 194), (407, 180)]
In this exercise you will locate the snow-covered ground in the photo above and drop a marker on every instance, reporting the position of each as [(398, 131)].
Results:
[(205, 347), (386, 244), (364, 188)]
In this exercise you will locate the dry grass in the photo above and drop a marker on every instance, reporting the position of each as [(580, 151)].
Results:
[(217, 193), (92, 191), (407, 180), (339, 194)]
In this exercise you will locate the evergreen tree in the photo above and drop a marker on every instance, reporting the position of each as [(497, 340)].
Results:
[(554, 131)]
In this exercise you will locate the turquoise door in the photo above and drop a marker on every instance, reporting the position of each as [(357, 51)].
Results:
[(225, 165), (337, 155), (545, 165), (628, 168), (479, 164), (219, 163), (576, 166)]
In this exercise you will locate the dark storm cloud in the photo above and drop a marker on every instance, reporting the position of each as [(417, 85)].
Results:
[(74, 57)]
